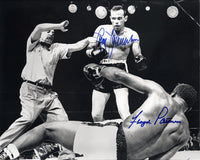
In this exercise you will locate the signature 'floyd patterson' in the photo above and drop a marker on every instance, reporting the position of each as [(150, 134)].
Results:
[(161, 119)]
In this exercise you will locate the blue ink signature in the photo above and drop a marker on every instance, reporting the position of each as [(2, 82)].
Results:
[(142, 123), (115, 40), (161, 118)]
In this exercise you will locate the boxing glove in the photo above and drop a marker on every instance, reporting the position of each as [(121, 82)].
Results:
[(140, 63), (92, 71), (96, 52)]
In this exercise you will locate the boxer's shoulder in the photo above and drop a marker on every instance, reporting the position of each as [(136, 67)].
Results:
[(129, 30), (105, 27)]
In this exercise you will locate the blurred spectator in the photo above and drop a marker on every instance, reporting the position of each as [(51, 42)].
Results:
[(195, 143)]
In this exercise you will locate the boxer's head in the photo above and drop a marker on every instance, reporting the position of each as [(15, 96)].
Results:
[(118, 17), (186, 92), (47, 37)]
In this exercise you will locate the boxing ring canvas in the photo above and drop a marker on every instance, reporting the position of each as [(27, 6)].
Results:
[(182, 155), (171, 46)]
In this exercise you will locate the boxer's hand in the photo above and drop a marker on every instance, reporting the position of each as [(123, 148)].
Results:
[(92, 71), (140, 62), (98, 53), (93, 44), (63, 26)]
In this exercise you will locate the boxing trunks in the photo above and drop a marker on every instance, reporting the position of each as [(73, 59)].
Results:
[(98, 141)]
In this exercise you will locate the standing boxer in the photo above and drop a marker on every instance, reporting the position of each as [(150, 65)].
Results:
[(112, 46), (36, 94)]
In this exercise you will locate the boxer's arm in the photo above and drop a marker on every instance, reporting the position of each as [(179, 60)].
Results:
[(140, 60), (136, 45), (134, 82), (36, 33)]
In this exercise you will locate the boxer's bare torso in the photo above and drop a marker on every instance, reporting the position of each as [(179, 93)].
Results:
[(151, 133), (117, 45)]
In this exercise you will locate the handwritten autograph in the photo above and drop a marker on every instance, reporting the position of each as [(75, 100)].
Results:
[(159, 120), (115, 40)]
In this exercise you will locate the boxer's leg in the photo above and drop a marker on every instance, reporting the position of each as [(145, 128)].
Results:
[(60, 132), (27, 141), (99, 100), (121, 95)]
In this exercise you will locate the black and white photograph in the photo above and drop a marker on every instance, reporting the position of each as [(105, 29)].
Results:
[(99, 79)]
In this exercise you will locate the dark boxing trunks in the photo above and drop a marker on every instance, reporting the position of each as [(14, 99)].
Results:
[(121, 144)]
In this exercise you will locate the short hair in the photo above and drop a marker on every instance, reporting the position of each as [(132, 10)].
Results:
[(187, 92), (117, 8)]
